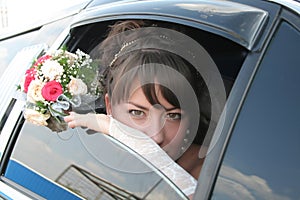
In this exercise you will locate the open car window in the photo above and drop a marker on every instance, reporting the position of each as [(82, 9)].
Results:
[(226, 55), (74, 164)]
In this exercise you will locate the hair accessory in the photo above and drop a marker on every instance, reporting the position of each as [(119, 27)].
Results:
[(185, 144), (188, 131), (164, 37), (124, 45), (192, 54)]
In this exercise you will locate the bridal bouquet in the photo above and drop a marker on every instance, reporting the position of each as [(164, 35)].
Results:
[(54, 84)]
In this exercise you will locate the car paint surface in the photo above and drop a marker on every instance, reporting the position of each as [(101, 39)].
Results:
[(241, 163)]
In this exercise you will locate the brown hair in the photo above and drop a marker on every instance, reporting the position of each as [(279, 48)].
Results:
[(126, 56)]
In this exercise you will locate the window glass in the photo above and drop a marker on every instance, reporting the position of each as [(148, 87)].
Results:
[(10, 47), (46, 34), (262, 159), (75, 164)]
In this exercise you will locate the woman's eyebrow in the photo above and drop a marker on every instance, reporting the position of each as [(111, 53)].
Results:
[(137, 105), (170, 109), (144, 108)]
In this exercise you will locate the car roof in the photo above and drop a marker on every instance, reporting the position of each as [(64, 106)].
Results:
[(291, 4), (63, 13), (211, 14), (223, 17)]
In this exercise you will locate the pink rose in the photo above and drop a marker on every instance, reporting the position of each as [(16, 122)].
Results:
[(29, 76), (52, 90), (41, 60)]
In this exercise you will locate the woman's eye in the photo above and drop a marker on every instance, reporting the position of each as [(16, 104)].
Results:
[(137, 113), (174, 116)]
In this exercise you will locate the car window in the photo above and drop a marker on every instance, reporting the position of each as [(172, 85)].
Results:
[(9, 48), (262, 159), (11, 45), (74, 164)]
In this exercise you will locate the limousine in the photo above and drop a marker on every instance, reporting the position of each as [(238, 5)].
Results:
[(253, 147)]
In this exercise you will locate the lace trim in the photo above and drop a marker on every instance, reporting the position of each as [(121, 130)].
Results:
[(147, 148)]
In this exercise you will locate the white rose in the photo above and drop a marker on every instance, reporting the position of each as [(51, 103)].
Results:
[(52, 69), (77, 86), (34, 93), (36, 117)]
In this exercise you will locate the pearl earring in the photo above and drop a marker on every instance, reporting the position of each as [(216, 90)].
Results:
[(188, 131), (185, 141)]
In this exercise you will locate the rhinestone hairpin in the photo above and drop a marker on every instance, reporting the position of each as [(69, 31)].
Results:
[(124, 45)]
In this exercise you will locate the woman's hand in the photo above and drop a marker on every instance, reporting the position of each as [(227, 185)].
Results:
[(96, 122)]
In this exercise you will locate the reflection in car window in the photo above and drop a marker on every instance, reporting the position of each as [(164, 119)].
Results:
[(265, 142), (10, 47), (75, 164), (46, 34)]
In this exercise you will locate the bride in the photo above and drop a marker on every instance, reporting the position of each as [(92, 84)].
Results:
[(152, 98)]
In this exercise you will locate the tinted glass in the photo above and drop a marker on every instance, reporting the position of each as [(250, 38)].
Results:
[(10, 47), (75, 165), (262, 159), (46, 34)]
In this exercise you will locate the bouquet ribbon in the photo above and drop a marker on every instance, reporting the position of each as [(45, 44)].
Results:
[(63, 103)]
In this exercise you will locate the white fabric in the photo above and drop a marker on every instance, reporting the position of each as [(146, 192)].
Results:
[(147, 148)]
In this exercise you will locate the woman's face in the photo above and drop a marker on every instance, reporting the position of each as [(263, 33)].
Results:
[(164, 123)]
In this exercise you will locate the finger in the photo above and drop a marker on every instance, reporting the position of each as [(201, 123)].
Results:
[(71, 125), (73, 116), (68, 118), (78, 121)]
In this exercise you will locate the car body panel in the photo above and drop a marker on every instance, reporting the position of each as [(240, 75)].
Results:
[(219, 149), (261, 158), (251, 26), (36, 182), (213, 15), (61, 14), (290, 4)]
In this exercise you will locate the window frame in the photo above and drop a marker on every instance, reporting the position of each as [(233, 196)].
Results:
[(235, 103)]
